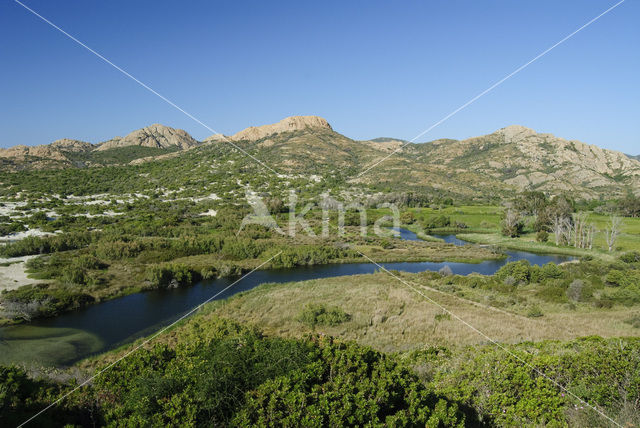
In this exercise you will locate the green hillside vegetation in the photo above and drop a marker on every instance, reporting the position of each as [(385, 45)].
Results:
[(353, 350), (120, 155)]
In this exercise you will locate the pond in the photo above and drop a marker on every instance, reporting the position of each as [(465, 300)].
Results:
[(65, 339)]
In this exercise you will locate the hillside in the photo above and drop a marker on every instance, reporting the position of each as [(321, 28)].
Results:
[(518, 157), (155, 136), (151, 141), (489, 166)]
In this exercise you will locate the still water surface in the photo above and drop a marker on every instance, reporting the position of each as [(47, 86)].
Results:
[(75, 335)]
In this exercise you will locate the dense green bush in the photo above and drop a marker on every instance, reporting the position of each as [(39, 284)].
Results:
[(545, 272), (522, 272), (48, 244), (618, 278), (542, 236), (407, 217), (631, 257), (309, 255), (37, 301), (21, 397), (119, 249), (238, 377), (318, 314), (239, 249), (6, 229), (437, 222), (347, 385), (496, 380), (173, 273)]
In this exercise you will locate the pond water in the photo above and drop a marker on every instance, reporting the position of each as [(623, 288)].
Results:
[(75, 335)]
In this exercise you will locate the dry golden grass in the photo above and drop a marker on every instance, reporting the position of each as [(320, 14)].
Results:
[(389, 316)]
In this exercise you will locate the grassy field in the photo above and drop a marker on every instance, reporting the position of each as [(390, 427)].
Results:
[(484, 223), (389, 316)]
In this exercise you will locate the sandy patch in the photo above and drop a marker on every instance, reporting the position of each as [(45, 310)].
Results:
[(14, 276), (210, 213), (16, 236)]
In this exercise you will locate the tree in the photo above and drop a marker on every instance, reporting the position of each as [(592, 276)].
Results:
[(531, 202), (630, 206), (512, 225), (407, 217), (612, 231), (582, 231)]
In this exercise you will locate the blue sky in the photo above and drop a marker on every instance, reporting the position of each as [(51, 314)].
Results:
[(370, 68)]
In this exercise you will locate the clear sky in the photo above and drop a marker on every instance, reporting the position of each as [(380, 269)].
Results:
[(370, 68)]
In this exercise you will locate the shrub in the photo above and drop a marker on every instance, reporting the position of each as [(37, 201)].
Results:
[(445, 271), (631, 257), (348, 386), (38, 301), (240, 249), (534, 312), (6, 229), (545, 273), (510, 281), (119, 249), (74, 275), (574, 291), (386, 244), (520, 271), (615, 278), (87, 261), (165, 275), (603, 303), (32, 245), (542, 236), (310, 255), (407, 217), (437, 222), (513, 230), (513, 386), (234, 376), (317, 314)]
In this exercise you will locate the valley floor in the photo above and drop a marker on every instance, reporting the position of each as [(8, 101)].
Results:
[(386, 314)]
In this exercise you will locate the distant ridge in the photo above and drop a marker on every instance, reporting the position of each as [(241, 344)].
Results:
[(288, 124), (156, 135), (510, 159)]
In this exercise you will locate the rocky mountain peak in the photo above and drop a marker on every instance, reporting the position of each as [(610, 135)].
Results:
[(513, 133), (292, 123), (70, 145), (155, 135)]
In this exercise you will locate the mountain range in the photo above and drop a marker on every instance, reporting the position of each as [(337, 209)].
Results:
[(511, 158)]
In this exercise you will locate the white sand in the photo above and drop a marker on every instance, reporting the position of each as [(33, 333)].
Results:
[(16, 236), (14, 275)]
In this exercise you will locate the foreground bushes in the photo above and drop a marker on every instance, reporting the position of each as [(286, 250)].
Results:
[(237, 377), (603, 372), (240, 378), (220, 373)]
